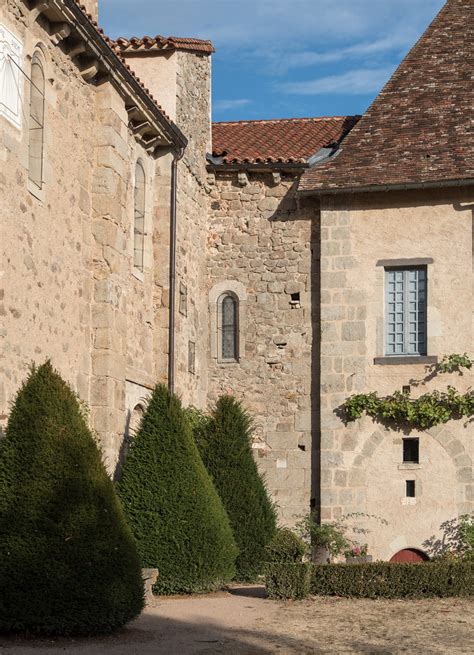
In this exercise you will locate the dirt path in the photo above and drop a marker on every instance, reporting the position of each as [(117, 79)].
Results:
[(243, 622)]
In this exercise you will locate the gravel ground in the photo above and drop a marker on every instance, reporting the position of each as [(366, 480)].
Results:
[(242, 621)]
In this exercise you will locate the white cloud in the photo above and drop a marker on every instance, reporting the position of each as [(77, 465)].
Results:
[(224, 105), (278, 24), (360, 81)]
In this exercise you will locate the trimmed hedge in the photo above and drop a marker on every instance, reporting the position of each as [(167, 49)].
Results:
[(288, 580), (225, 444), (286, 546), (438, 579), (68, 561), (176, 515), (384, 580)]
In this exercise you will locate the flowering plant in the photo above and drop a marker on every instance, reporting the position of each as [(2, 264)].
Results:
[(357, 551)]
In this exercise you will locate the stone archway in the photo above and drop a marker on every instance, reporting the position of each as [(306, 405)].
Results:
[(410, 556)]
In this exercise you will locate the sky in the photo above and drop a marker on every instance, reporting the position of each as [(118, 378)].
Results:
[(285, 58)]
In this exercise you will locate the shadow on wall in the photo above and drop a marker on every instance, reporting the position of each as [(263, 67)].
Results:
[(452, 539)]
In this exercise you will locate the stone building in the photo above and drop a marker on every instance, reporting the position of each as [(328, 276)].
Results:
[(139, 243)]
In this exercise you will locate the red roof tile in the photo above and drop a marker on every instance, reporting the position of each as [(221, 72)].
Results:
[(287, 140), (420, 129), (159, 43)]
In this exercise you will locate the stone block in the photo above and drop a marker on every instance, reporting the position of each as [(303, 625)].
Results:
[(331, 280), (357, 477), (333, 383), (340, 478), (354, 331)]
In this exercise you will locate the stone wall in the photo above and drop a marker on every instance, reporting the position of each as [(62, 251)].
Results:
[(361, 463), (45, 236), (69, 289), (263, 241), (181, 83), (193, 118)]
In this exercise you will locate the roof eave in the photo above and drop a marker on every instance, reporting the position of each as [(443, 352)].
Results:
[(264, 166), (435, 184)]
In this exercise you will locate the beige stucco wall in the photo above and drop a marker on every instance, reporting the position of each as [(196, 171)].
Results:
[(159, 73), (361, 462), (260, 247)]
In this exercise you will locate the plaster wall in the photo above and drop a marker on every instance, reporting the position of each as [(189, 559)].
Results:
[(361, 463), (159, 73)]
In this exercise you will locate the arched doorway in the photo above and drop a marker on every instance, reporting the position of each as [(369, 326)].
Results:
[(410, 556)]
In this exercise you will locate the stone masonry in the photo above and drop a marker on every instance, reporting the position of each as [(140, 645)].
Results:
[(261, 238)]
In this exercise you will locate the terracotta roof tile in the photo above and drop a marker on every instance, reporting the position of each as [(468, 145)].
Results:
[(420, 129), (159, 43), (287, 140)]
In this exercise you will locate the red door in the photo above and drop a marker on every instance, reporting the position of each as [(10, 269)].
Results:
[(410, 555)]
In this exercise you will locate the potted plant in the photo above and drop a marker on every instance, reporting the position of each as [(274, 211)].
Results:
[(357, 554)]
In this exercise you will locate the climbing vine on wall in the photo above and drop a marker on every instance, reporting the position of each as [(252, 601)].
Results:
[(430, 409)]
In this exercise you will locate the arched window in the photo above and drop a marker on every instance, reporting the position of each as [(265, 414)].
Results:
[(136, 418), (36, 122), (228, 310), (139, 218)]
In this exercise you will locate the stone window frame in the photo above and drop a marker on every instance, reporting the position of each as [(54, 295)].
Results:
[(380, 345), (40, 53), (139, 211), (216, 295)]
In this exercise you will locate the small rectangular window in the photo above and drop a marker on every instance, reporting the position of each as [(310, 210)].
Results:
[(411, 451), (183, 299), (410, 488), (192, 357), (406, 311)]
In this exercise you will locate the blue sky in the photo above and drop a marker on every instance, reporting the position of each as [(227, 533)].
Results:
[(285, 58)]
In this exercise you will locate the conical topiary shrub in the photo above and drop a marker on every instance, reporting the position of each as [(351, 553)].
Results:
[(175, 513), (224, 442), (68, 562)]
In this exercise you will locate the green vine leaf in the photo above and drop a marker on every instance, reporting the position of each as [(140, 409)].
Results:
[(430, 409)]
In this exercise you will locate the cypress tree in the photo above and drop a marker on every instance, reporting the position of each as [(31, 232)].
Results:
[(175, 513), (68, 561), (225, 444)]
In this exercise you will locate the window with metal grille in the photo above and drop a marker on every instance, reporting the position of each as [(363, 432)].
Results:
[(229, 310), (139, 218), (411, 450), (406, 311), (36, 122)]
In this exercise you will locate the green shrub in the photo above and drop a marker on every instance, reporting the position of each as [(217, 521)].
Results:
[(175, 513), (385, 580), (288, 580), (285, 546), (225, 446), (68, 561)]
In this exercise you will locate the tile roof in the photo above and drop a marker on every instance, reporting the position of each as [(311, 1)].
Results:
[(159, 43), (420, 129), (287, 140)]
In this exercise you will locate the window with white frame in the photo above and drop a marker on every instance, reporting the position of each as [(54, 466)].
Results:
[(36, 122), (139, 218), (406, 311)]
